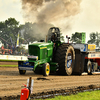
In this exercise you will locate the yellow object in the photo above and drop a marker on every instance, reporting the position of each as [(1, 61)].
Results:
[(37, 58), (17, 41), (47, 69), (91, 47), (43, 47)]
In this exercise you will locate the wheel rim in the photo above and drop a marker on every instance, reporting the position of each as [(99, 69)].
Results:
[(47, 69), (89, 68), (69, 60)]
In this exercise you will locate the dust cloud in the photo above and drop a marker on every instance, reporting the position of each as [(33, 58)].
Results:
[(47, 13)]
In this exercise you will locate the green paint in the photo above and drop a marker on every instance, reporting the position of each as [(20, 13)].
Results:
[(83, 37), (44, 52)]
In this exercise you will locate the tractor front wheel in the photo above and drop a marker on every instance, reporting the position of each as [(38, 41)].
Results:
[(46, 69)]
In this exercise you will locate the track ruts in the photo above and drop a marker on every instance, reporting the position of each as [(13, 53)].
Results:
[(53, 93), (11, 82)]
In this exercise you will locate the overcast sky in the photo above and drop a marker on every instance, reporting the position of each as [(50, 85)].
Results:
[(10, 8), (88, 20)]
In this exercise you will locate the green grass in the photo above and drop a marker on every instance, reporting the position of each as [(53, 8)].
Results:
[(93, 95), (11, 60), (8, 65)]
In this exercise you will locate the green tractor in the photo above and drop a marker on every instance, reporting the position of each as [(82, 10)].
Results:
[(53, 56)]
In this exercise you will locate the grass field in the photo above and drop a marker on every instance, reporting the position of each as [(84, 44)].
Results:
[(93, 95), (8, 65), (11, 60)]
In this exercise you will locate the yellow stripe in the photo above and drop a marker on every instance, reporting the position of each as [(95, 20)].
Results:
[(43, 47)]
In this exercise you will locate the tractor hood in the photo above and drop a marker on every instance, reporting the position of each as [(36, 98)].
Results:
[(40, 50), (41, 44)]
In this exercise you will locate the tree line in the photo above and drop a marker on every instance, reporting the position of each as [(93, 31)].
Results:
[(94, 38), (10, 28)]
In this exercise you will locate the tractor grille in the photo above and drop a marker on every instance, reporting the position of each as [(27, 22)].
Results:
[(33, 50), (43, 55)]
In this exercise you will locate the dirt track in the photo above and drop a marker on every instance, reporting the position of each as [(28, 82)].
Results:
[(11, 81)]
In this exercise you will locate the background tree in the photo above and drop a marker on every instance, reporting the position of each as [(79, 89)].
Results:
[(9, 31), (94, 39), (62, 37), (77, 37), (34, 31), (26, 32)]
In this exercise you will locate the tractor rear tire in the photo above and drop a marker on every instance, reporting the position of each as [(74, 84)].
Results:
[(22, 72), (46, 69), (65, 57)]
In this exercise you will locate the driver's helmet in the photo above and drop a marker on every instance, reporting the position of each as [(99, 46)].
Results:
[(54, 37)]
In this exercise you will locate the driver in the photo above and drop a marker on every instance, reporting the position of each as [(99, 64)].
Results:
[(54, 37)]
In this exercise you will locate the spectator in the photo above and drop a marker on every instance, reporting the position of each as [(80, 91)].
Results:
[(2, 49), (13, 49)]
